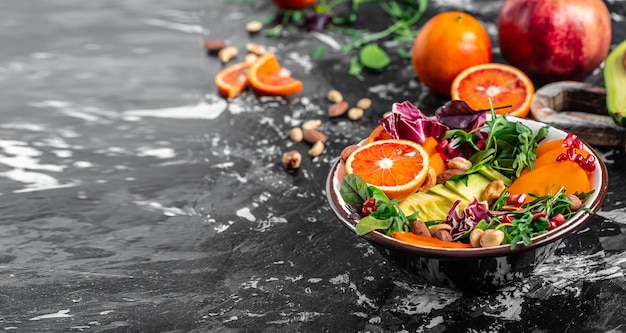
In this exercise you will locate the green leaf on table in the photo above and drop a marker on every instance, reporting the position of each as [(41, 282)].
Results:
[(373, 57), (353, 190), (356, 68), (318, 52)]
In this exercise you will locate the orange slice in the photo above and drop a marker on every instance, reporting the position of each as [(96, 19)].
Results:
[(232, 80), (396, 167), (506, 85), (267, 77)]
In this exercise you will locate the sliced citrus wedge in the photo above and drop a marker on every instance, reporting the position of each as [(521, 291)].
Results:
[(232, 80), (504, 84), (396, 167), (267, 77)]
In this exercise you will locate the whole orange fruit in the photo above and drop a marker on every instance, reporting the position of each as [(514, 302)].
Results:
[(294, 4), (447, 44)]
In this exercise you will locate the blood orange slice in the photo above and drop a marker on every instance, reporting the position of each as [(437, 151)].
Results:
[(267, 77), (504, 84), (232, 80), (396, 167)]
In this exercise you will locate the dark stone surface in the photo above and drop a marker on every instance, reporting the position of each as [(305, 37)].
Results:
[(135, 199)]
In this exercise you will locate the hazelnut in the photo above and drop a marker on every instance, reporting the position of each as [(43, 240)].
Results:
[(292, 160)]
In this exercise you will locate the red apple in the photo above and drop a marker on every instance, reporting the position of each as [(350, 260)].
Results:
[(553, 40)]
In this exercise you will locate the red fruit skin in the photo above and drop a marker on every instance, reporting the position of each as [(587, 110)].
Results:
[(554, 40)]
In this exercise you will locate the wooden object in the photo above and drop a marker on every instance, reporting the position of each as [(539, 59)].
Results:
[(580, 108)]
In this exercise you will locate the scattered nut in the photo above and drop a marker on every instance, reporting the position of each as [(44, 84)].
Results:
[(430, 181), (364, 103), (459, 163), (491, 237), (439, 226), (313, 136), (228, 53), (254, 26), (446, 174), (475, 237), (418, 227), (317, 149), (576, 202), (355, 113), (312, 124), (255, 48), (296, 134), (443, 235), (335, 96), (345, 153), (292, 160), (387, 114), (250, 58), (214, 45), (493, 191), (337, 109)]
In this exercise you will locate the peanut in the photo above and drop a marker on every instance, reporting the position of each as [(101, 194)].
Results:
[(364, 103), (475, 237), (296, 134), (254, 26), (335, 96), (491, 237), (312, 124), (355, 113), (317, 149), (459, 163), (493, 191)]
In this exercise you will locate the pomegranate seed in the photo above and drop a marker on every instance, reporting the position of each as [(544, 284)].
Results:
[(572, 141), (516, 200), (506, 219), (557, 220), (571, 153), (562, 157), (481, 144)]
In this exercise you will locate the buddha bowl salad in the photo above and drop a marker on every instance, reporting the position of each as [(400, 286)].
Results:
[(500, 182)]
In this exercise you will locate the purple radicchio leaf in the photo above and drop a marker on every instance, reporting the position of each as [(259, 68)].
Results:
[(465, 221), (409, 123), (317, 22), (459, 115)]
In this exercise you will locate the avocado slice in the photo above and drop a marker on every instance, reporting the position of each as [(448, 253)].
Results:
[(429, 205), (493, 174)]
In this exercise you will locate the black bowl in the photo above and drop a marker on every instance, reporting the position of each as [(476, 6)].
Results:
[(474, 268)]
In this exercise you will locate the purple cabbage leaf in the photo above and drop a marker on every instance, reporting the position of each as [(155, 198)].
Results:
[(409, 123), (465, 220)]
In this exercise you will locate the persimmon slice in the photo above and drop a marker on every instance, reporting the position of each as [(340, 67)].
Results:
[(267, 77), (504, 84), (396, 167)]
